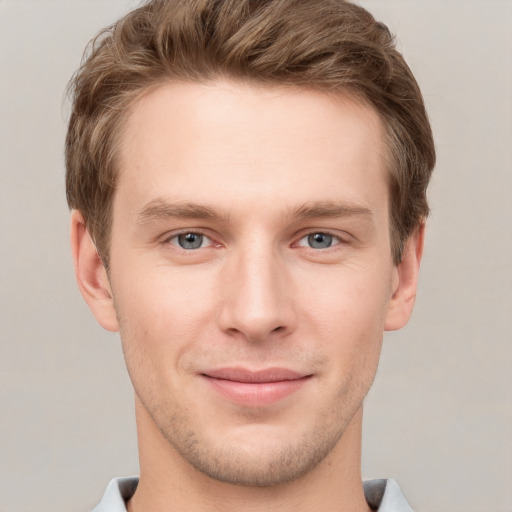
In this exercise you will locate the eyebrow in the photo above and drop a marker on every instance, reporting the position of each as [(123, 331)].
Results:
[(324, 209), (160, 209)]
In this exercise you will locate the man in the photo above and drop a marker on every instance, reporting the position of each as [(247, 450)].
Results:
[(247, 182)]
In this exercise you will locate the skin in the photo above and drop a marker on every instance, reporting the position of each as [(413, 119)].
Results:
[(255, 173)]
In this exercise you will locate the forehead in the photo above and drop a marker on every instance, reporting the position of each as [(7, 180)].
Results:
[(248, 143)]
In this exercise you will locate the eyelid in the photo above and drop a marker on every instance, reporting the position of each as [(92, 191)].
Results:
[(337, 240), (170, 237)]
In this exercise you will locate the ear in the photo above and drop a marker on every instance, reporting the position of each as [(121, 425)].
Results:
[(91, 275), (405, 281)]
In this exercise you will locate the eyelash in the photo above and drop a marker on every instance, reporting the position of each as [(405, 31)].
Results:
[(334, 240), (175, 237)]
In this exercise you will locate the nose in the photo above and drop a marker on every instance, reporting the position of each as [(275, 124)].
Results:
[(257, 296)]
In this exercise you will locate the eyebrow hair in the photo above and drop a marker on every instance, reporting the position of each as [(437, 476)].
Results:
[(329, 209), (160, 209)]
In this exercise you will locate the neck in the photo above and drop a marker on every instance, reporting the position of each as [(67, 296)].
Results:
[(169, 483)]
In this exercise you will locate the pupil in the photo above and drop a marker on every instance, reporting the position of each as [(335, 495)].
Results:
[(190, 241), (320, 240)]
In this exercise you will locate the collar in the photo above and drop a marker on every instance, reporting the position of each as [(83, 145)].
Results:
[(382, 495)]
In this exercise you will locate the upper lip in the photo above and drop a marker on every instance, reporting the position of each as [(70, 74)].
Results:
[(237, 374)]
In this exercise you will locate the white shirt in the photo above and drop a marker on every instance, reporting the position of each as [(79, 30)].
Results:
[(382, 495)]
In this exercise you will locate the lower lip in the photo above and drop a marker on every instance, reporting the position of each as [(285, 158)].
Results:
[(256, 394)]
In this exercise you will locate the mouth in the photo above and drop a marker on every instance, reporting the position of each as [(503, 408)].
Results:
[(255, 388)]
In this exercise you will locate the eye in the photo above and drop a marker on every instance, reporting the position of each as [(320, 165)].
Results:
[(319, 240), (190, 241)]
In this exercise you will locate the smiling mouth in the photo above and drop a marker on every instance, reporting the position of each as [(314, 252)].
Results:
[(255, 388)]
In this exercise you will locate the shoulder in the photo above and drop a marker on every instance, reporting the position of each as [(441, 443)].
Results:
[(117, 493), (385, 496)]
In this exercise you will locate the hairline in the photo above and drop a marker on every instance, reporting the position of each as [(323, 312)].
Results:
[(344, 91)]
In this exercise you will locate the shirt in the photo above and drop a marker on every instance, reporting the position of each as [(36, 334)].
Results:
[(381, 495)]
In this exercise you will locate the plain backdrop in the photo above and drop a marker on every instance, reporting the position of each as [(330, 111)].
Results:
[(439, 418)]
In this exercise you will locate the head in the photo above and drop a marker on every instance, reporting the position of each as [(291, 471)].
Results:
[(273, 43), (253, 181)]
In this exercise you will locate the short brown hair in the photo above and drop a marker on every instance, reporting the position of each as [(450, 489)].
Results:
[(330, 45)]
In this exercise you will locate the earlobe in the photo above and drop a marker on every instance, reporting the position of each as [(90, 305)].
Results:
[(90, 274), (406, 281)]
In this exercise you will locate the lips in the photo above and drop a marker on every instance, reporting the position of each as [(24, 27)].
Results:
[(255, 388), (259, 376)]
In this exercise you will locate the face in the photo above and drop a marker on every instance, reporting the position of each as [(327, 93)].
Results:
[(251, 272)]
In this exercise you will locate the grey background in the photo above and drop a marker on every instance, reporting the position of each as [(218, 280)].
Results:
[(439, 418)]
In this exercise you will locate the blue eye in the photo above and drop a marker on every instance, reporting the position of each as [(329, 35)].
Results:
[(189, 241), (319, 240)]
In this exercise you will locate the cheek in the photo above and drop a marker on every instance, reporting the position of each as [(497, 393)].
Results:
[(160, 294), (347, 299), (345, 312), (161, 312)]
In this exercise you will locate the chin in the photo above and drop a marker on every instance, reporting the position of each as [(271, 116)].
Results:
[(257, 456)]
